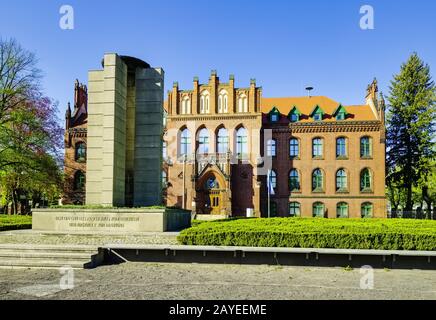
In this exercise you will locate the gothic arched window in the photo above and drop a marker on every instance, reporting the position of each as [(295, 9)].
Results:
[(203, 141), (204, 102), (242, 103), (341, 180), (317, 180), (242, 143), (79, 181), (222, 141), (223, 102), (185, 142), (80, 152), (294, 180)]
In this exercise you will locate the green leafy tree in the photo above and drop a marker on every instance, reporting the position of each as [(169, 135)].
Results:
[(30, 135), (411, 127)]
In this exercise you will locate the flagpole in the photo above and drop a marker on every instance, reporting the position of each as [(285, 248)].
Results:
[(268, 182), (269, 204)]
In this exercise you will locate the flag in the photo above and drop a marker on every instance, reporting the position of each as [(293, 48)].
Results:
[(269, 183)]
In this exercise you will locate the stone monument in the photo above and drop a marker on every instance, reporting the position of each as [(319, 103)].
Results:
[(124, 156), (125, 127)]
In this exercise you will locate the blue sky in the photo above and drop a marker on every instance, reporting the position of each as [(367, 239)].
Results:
[(285, 45)]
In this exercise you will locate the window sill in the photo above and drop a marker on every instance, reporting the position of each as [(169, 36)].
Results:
[(318, 158), (367, 191), (343, 191), (366, 158), (342, 158), (318, 191)]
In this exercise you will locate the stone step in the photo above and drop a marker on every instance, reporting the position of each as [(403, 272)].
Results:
[(42, 264), (48, 256), (47, 248)]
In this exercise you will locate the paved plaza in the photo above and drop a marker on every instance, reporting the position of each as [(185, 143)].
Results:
[(230, 282)]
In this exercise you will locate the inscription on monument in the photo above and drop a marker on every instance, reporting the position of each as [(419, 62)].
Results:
[(96, 222), (107, 220)]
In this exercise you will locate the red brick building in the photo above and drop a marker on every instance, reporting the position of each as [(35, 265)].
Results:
[(328, 160), (75, 147), (325, 159)]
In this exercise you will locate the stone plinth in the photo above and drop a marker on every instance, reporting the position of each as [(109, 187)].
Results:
[(110, 220)]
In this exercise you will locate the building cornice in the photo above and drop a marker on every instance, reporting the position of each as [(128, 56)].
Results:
[(348, 126), (78, 132), (339, 196), (202, 117)]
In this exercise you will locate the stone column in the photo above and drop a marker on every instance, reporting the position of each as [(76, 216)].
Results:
[(107, 133), (195, 97), (232, 101), (148, 137)]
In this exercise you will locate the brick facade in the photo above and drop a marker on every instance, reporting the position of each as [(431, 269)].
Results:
[(75, 147), (208, 108), (270, 119)]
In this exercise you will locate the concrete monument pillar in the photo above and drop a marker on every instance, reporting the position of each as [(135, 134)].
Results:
[(125, 126)]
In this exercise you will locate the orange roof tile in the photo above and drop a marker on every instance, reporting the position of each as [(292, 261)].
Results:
[(307, 104)]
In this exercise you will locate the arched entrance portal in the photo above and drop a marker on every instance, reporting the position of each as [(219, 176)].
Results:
[(211, 194)]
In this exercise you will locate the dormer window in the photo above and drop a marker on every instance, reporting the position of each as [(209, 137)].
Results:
[(317, 114), (294, 115), (340, 113), (274, 115)]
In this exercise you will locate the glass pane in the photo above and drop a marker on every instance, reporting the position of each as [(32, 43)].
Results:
[(317, 147), (294, 148), (294, 209)]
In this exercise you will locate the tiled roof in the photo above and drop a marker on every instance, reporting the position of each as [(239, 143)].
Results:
[(307, 104)]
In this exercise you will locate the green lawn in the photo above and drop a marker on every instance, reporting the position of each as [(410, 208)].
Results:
[(386, 234), (15, 222)]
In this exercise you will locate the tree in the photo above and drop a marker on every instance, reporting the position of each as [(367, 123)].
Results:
[(428, 187), (30, 135), (411, 126)]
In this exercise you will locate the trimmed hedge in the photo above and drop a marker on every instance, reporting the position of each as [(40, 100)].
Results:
[(15, 222), (381, 234)]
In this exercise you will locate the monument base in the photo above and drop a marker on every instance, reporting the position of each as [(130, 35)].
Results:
[(110, 220)]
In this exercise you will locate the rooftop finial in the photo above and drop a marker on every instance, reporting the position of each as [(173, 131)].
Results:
[(309, 89), (372, 89)]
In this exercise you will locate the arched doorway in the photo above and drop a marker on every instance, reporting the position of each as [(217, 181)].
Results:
[(211, 194)]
